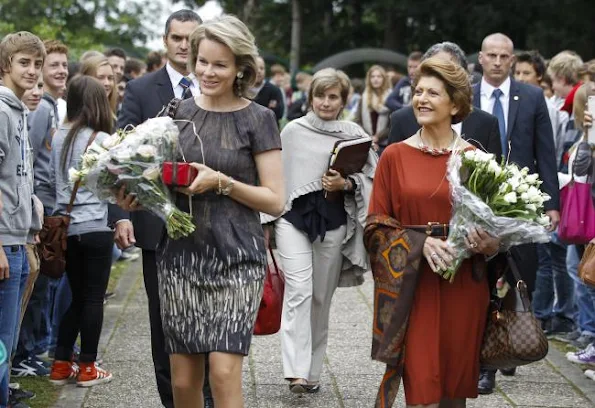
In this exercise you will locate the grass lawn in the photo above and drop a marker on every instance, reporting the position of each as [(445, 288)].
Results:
[(46, 392)]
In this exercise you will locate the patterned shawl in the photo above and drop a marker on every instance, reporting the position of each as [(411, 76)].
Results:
[(395, 255)]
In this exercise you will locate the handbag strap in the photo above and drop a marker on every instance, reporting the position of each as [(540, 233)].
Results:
[(275, 265), (521, 286), (78, 182)]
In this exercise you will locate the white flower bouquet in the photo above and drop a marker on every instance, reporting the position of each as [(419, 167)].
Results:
[(134, 159), (500, 198)]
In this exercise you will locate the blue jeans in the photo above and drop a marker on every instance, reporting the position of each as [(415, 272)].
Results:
[(585, 295), (11, 291), (116, 254), (554, 291), (35, 329), (61, 302)]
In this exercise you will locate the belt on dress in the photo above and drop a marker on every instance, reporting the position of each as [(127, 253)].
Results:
[(431, 229)]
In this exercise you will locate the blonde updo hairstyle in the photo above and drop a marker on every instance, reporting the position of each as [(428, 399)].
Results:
[(456, 82), (328, 78), (231, 32)]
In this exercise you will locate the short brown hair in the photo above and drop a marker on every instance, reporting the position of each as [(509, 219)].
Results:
[(456, 82), (231, 32), (415, 56), (134, 65), (154, 59), (55, 47), (22, 41), (277, 69), (327, 78)]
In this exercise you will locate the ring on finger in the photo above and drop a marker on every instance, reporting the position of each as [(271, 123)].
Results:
[(473, 245)]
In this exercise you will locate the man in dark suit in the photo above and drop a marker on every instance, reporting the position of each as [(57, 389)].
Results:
[(267, 94), (479, 128), (526, 138), (145, 98)]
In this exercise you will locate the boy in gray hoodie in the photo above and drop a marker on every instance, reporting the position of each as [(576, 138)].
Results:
[(38, 331), (21, 59)]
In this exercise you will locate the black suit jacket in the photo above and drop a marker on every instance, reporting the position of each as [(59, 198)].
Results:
[(531, 144), (269, 94), (530, 137), (479, 128), (144, 98)]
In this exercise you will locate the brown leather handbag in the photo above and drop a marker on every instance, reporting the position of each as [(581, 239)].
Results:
[(586, 268), (513, 336), (53, 236)]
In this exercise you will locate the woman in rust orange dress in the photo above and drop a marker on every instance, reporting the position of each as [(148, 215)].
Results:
[(446, 320)]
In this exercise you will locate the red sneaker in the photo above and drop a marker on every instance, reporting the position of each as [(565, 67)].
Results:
[(63, 372), (91, 374)]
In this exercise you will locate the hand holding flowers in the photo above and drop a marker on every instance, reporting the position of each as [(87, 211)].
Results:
[(492, 203), (126, 168)]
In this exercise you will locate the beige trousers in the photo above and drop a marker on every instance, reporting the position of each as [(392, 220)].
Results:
[(33, 259), (312, 272)]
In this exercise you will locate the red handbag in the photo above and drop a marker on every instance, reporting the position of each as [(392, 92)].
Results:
[(577, 221), (268, 320)]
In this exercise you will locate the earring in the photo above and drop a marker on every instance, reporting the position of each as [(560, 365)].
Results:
[(240, 75)]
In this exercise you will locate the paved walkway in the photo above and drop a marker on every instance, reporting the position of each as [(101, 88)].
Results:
[(350, 378)]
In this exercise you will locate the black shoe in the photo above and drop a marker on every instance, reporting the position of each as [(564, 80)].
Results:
[(18, 394), (508, 372), (487, 382), (312, 388), (561, 325)]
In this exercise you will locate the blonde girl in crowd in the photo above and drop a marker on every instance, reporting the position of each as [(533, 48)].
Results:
[(372, 114), (99, 68)]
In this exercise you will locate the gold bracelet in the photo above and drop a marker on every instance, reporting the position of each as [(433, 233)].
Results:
[(219, 190)]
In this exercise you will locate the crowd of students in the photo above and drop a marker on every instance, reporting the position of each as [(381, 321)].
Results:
[(537, 119)]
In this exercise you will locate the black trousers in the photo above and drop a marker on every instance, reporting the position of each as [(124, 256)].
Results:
[(160, 357), (88, 264)]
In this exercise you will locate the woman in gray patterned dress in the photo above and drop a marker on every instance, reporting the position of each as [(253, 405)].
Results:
[(211, 282)]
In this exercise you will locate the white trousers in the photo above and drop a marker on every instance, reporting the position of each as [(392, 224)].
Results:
[(312, 272)]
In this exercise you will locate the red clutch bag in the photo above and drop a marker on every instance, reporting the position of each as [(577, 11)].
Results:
[(177, 174)]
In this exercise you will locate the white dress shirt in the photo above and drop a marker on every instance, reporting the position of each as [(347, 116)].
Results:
[(457, 127), (487, 102), (175, 77)]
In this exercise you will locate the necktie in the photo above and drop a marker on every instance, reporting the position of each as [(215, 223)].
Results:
[(498, 112), (186, 83)]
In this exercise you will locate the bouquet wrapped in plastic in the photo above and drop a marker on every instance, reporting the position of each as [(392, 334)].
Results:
[(134, 159), (500, 198)]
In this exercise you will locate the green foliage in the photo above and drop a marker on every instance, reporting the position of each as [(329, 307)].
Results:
[(405, 25), (81, 24)]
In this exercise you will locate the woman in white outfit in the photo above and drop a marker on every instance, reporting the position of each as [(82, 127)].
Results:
[(319, 239)]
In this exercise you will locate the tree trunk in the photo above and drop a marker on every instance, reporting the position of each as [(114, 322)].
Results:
[(296, 34), (248, 12)]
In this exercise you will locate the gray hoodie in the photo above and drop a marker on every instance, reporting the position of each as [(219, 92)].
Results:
[(16, 170), (43, 124), (89, 213)]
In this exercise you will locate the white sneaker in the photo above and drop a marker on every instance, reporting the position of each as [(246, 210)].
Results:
[(590, 374), (586, 356)]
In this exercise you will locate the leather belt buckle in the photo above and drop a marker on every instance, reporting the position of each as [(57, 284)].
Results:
[(430, 228)]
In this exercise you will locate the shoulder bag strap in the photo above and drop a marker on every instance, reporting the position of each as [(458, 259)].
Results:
[(520, 285), (78, 183)]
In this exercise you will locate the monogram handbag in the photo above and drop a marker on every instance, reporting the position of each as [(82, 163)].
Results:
[(53, 236), (268, 320), (513, 336), (586, 268)]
